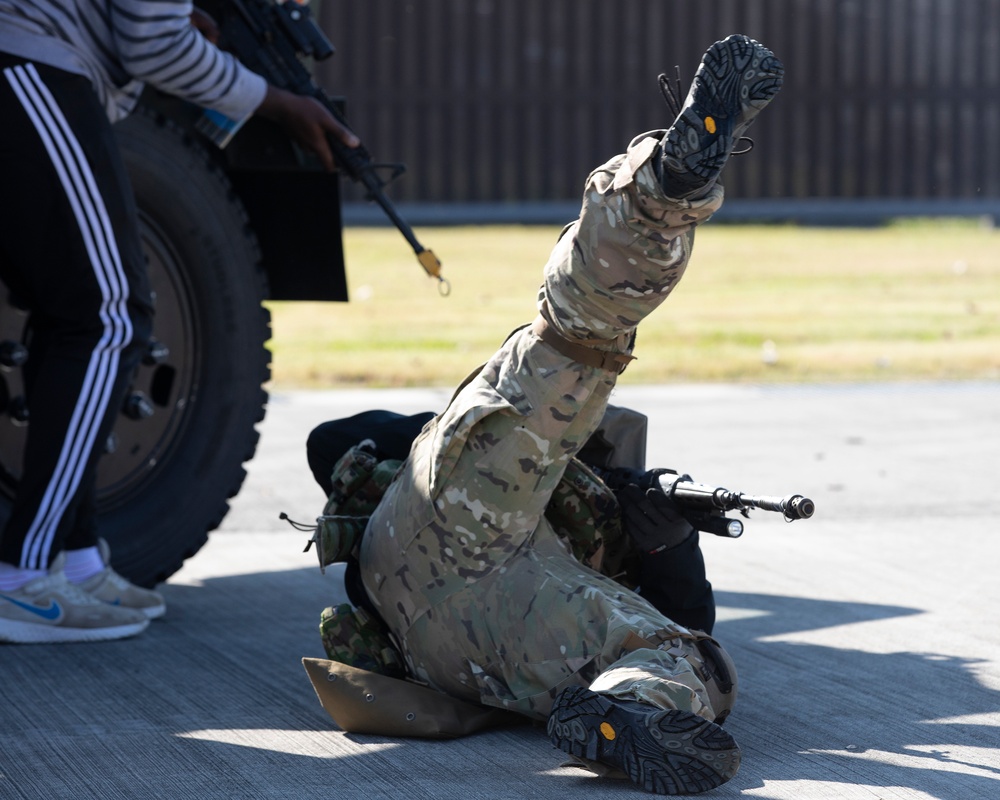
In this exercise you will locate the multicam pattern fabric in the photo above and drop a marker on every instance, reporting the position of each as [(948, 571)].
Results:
[(353, 637), (624, 254), (582, 510), (337, 538), (486, 601), (358, 482), (585, 513)]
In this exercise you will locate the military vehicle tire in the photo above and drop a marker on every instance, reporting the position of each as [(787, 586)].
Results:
[(177, 451)]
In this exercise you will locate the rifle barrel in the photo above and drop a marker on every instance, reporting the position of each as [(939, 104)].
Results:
[(704, 497), (793, 506)]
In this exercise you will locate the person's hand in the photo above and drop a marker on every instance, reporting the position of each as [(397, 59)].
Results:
[(307, 121), (649, 516), (652, 519), (203, 22)]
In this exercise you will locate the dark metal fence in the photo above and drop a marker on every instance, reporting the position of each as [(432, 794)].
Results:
[(513, 101)]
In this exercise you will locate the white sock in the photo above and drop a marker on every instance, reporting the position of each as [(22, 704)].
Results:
[(13, 578), (82, 564)]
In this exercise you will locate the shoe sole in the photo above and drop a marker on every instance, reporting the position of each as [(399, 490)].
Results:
[(665, 752), (15, 632), (736, 79)]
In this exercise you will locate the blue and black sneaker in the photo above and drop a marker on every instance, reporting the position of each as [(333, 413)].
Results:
[(737, 78), (665, 752)]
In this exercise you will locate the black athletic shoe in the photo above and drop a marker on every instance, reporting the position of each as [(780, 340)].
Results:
[(737, 78), (666, 752)]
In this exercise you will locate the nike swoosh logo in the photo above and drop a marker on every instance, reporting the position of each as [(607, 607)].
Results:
[(51, 613)]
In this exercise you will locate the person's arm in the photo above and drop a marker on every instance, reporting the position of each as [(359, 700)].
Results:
[(307, 121), (172, 54)]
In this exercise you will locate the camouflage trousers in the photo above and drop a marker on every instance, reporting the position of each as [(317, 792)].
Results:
[(485, 601)]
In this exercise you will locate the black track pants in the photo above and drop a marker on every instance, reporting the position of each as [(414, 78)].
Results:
[(69, 250)]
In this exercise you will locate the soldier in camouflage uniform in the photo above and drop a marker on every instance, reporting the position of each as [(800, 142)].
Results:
[(486, 603)]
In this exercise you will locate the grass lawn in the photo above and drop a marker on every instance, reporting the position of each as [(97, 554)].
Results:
[(914, 300)]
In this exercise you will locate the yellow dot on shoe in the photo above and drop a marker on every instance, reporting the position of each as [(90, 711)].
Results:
[(607, 731), (709, 124)]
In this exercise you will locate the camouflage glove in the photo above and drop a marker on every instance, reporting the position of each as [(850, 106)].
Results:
[(649, 517)]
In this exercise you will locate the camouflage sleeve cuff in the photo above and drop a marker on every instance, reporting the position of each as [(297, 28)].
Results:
[(637, 168)]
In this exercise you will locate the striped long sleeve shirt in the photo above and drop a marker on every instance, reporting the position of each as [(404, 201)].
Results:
[(121, 45)]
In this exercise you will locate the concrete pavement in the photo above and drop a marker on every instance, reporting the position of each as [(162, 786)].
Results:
[(866, 637)]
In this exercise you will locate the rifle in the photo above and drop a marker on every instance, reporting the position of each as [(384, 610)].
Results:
[(705, 506), (271, 39)]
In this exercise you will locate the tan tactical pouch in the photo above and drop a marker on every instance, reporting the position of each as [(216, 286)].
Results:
[(366, 702)]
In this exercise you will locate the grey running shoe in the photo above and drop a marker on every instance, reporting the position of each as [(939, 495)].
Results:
[(50, 609), (110, 587), (737, 78), (665, 752)]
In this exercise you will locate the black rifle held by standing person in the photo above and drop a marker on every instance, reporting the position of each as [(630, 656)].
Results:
[(272, 39)]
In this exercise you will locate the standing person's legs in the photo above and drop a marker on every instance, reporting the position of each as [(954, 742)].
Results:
[(71, 252), (69, 249)]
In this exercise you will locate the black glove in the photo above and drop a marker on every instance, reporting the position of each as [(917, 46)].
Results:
[(648, 515)]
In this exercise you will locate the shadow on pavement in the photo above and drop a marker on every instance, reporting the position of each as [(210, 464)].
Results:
[(850, 716), (213, 702)]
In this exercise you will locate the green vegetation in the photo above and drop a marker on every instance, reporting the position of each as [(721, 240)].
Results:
[(914, 300)]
